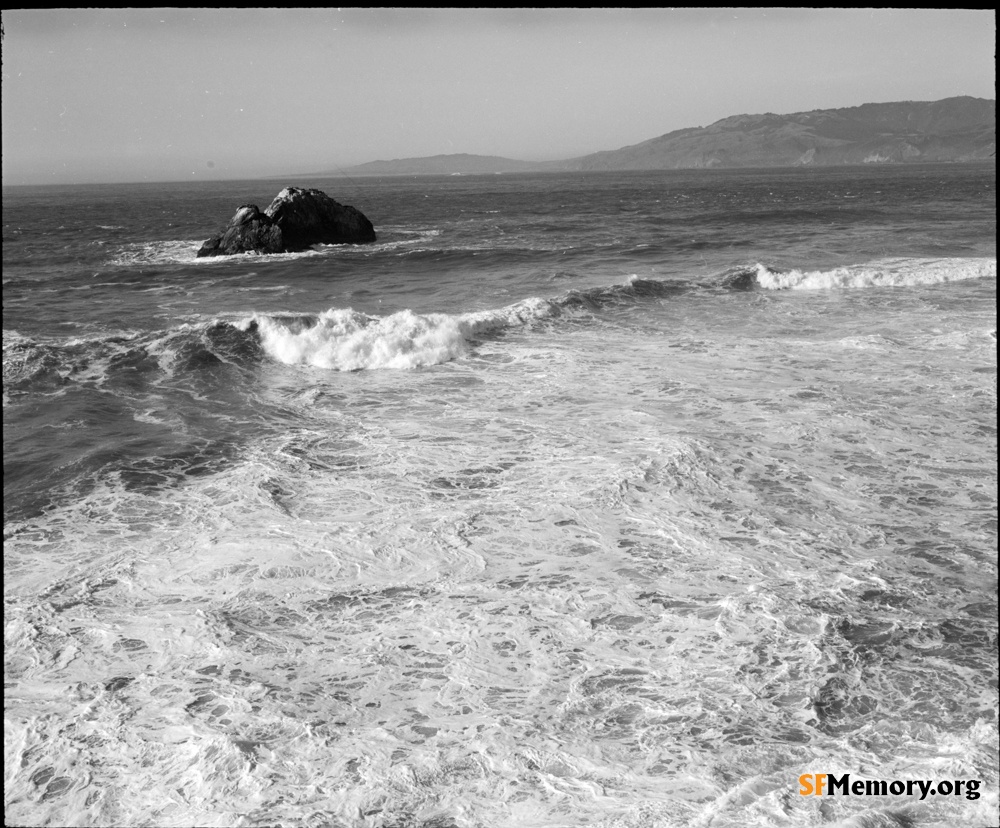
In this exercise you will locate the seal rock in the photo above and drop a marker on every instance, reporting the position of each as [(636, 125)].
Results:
[(296, 220)]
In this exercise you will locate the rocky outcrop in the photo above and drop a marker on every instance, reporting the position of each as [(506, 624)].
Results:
[(249, 231), (296, 220)]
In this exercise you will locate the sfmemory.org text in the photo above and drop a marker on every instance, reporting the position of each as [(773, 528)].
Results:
[(828, 784)]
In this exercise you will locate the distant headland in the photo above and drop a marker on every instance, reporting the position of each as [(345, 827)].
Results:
[(950, 130)]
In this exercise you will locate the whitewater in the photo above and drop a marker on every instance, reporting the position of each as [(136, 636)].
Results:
[(618, 499)]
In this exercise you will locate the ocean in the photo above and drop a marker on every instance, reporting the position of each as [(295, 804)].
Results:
[(613, 499)]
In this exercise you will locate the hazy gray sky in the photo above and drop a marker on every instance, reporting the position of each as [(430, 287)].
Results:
[(171, 94)]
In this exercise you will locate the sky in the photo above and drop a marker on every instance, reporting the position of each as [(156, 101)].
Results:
[(118, 95)]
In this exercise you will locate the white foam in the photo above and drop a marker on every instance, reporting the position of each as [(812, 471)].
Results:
[(186, 252), (160, 252), (901, 272), (148, 416), (346, 340), (388, 240)]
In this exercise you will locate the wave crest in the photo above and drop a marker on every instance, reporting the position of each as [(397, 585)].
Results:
[(343, 339), (880, 273)]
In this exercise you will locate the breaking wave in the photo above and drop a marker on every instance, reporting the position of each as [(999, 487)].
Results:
[(880, 273), (344, 339), (30, 365)]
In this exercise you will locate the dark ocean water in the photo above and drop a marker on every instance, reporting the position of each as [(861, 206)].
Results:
[(597, 499)]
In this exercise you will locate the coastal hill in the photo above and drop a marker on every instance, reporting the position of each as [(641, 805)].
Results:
[(953, 129), (460, 164)]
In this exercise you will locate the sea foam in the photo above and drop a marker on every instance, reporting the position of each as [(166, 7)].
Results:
[(346, 340), (901, 272)]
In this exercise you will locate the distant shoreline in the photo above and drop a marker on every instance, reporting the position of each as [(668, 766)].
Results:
[(988, 163), (348, 173), (952, 130)]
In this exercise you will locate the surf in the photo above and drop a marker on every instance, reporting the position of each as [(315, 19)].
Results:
[(895, 272)]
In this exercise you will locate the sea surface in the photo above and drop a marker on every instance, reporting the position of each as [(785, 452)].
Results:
[(611, 499)]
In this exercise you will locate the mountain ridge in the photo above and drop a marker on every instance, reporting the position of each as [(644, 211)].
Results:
[(954, 129)]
